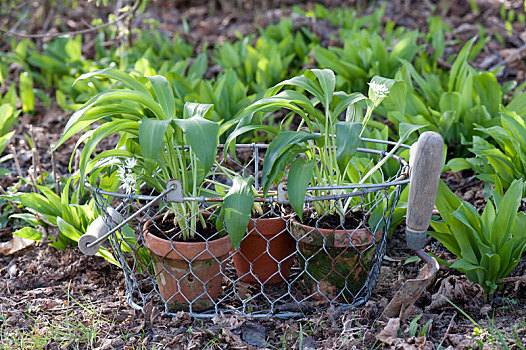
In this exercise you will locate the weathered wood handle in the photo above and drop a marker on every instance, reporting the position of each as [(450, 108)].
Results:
[(95, 230), (425, 161)]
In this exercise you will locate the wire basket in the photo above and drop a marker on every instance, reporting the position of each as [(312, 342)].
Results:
[(314, 267)]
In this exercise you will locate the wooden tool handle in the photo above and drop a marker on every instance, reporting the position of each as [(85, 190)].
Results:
[(95, 230), (425, 161)]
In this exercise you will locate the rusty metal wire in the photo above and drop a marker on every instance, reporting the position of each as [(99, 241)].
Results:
[(298, 280)]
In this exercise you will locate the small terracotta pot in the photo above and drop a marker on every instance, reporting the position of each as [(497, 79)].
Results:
[(269, 266), (335, 260), (188, 273)]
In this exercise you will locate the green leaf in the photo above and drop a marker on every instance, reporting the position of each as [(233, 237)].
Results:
[(405, 130), (119, 75), (397, 96), (202, 110), (143, 66), (518, 104), (492, 263), (50, 195), (36, 235), (326, 58), (446, 201), (85, 117), (287, 145), (327, 82), (10, 96), (164, 93), (413, 326), (487, 218), (463, 265), (7, 118), (450, 101), (4, 140), (303, 82), (459, 68), (429, 91), (515, 128), (66, 211), (472, 240), (93, 140), (347, 140), (300, 174), (506, 213), (36, 202), (446, 238), (151, 135), (68, 230), (489, 91), (347, 102), (237, 208), (458, 164), (229, 57), (29, 233), (199, 67), (202, 135), (26, 92)]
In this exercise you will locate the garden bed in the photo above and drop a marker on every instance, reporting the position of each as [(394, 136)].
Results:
[(63, 298)]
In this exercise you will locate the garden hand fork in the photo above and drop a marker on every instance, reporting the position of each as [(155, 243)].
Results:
[(425, 162)]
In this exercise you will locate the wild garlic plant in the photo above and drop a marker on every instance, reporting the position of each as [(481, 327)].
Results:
[(126, 175), (327, 143), (158, 143)]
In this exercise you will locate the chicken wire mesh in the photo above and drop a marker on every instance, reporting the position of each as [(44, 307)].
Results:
[(284, 267)]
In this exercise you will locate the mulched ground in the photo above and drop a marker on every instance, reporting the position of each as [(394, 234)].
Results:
[(43, 289)]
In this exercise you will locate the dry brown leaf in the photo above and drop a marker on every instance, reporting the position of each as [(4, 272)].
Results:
[(233, 339), (228, 322), (389, 334), (455, 288), (460, 341), (15, 245), (422, 343)]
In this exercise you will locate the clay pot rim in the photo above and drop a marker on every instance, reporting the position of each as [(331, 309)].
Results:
[(179, 250), (378, 235), (285, 217), (273, 220)]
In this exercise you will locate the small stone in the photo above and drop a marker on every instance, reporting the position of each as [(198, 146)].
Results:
[(117, 342), (469, 195), (11, 321), (253, 334), (12, 271), (106, 345), (485, 309)]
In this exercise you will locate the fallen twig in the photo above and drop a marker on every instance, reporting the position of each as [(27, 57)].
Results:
[(519, 53), (76, 32), (36, 159), (12, 149), (447, 330), (56, 176), (512, 279)]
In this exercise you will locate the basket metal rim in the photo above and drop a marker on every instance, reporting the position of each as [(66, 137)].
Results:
[(403, 179)]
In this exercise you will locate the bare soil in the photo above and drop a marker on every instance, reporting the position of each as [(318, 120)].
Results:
[(42, 288)]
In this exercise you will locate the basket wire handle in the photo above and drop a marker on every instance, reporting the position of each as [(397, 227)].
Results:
[(97, 232)]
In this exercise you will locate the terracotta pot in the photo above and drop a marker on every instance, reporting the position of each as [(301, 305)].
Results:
[(335, 260), (269, 266), (188, 273)]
